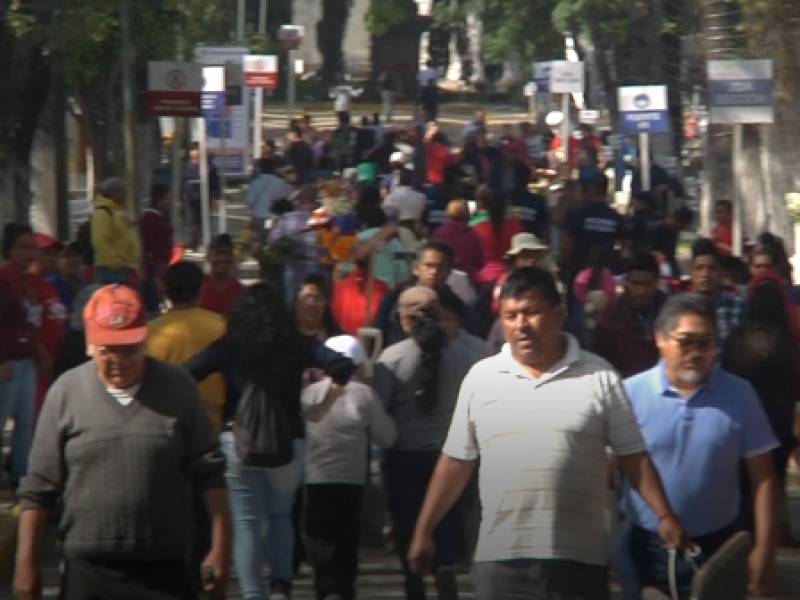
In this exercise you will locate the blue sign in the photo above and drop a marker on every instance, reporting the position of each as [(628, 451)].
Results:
[(643, 109), (741, 91), (541, 76), (656, 121), (751, 93), (213, 103)]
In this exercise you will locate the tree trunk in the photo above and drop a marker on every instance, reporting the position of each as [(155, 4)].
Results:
[(330, 38), (400, 47), (475, 37), (26, 75)]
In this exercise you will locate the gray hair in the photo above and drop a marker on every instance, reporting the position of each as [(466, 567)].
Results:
[(687, 303), (79, 304), (111, 185)]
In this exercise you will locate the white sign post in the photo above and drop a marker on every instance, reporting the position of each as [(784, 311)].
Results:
[(566, 78), (235, 126), (213, 109), (260, 73), (740, 92), (291, 36), (644, 110)]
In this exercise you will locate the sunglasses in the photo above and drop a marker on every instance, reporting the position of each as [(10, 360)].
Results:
[(687, 343)]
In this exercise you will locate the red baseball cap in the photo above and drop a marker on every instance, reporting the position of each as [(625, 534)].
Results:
[(46, 242), (115, 316)]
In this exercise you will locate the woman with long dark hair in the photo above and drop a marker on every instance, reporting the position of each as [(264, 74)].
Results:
[(418, 380), (263, 346), (495, 230), (764, 351)]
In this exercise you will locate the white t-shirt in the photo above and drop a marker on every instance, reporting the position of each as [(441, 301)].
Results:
[(427, 76), (124, 395), (542, 444), (343, 96)]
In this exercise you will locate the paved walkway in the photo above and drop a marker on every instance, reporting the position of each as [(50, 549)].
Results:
[(381, 577)]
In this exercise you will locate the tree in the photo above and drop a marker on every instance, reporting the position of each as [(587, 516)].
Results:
[(25, 65), (330, 37), (769, 169)]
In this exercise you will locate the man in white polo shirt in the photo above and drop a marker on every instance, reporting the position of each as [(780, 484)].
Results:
[(540, 415)]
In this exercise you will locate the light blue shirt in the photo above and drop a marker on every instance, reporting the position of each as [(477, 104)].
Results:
[(697, 444), (263, 191)]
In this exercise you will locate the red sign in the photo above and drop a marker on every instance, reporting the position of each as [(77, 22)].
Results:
[(261, 72), (174, 90)]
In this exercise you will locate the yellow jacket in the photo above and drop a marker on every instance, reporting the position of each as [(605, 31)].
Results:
[(115, 237), (177, 336)]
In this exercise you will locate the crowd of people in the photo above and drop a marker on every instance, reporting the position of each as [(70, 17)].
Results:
[(507, 343)]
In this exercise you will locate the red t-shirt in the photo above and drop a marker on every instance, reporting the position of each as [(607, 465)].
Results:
[(349, 304), (220, 300), (494, 249), (54, 317), (723, 237), (20, 314), (436, 159)]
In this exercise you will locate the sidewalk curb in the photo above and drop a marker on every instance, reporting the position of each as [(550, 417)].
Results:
[(8, 543)]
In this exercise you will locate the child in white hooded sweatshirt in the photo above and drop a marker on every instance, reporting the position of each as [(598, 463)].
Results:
[(339, 428)]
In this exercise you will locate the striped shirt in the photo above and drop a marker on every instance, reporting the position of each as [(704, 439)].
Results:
[(542, 447)]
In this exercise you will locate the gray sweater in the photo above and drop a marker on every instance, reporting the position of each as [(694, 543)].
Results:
[(125, 473), (337, 445), (397, 380)]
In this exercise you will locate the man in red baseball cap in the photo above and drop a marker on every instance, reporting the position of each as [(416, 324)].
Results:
[(123, 441)]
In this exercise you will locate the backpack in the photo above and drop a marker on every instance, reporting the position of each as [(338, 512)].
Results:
[(84, 237), (263, 432)]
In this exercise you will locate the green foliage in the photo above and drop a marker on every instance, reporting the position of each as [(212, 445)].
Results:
[(383, 15)]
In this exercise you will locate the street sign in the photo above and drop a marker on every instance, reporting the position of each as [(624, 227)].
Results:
[(291, 36), (261, 72), (227, 134), (566, 77), (530, 89), (740, 92), (541, 75), (589, 117), (616, 140), (174, 89), (234, 82), (643, 109)]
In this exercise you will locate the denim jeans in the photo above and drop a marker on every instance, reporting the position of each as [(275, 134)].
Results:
[(407, 475), (642, 561), (18, 400), (262, 500)]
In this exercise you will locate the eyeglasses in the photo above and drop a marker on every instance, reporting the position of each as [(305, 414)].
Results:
[(701, 344)]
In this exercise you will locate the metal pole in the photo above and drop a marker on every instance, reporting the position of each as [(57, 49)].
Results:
[(738, 216), (222, 164), (291, 81), (60, 124), (258, 113), (240, 20), (203, 168), (644, 160), (177, 139), (128, 108), (565, 133), (262, 16)]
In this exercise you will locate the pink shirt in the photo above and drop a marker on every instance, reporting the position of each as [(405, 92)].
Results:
[(607, 284)]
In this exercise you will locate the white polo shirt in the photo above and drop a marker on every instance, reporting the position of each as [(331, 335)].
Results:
[(542, 445)]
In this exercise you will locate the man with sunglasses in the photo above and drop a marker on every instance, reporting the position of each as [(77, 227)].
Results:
[(699, 424)]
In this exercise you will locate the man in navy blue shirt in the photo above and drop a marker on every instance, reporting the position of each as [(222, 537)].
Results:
[(532, 209), (593, 224), (699, 423)]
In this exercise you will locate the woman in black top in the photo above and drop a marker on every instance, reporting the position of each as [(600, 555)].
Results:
[(263, 344)]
